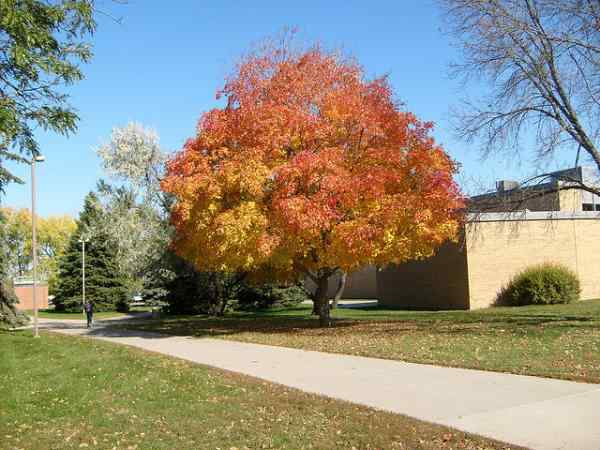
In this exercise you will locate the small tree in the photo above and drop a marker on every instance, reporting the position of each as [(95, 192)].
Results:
[(135, 209), (135, 229), (308, 169), (106, 286)]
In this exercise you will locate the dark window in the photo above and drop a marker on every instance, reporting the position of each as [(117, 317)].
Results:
[(588, 206)]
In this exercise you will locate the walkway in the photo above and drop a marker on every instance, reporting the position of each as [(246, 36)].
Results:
[(532, 412)]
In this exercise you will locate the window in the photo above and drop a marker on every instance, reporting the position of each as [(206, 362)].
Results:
[(588, 206)]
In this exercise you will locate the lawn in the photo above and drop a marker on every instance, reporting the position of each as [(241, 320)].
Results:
[(558, 341), (69, 392)]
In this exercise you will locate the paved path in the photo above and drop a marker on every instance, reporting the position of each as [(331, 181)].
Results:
[(532, 412)]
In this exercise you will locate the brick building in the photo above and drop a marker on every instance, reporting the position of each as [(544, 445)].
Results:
[(494, 247), (551, 224), (24, 292), (548, 195)]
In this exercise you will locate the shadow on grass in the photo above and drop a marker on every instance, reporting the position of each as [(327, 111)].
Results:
[(209, 327), (368, 320), (443, 323)]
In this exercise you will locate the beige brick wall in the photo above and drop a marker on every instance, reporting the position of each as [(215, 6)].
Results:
[(470, 276), (496, 251), (439, 282), (571, 200), (360, 284)]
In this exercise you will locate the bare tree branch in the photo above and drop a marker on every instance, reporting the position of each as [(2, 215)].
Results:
[(541, 60)]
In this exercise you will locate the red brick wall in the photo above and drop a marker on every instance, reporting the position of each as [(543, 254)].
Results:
[(25, 295)]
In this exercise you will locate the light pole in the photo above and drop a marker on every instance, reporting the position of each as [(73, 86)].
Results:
[(38, 158), (82, 242)]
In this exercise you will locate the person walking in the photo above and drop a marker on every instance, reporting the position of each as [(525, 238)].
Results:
[(89, 313)]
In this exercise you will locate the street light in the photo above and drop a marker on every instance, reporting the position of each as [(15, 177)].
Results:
[(82, 241), (37, 158)]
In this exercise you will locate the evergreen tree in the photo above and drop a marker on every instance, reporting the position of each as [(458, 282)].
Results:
[(105, 285), (9, 315)]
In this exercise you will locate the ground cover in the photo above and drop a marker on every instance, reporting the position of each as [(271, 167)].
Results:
[(558, 341), (70, 392)]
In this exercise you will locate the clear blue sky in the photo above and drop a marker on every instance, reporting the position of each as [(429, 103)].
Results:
[(163, 64)]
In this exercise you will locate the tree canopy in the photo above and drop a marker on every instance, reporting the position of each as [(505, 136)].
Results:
[(53, 236), (309, 168), (135, 209), (42, 44)]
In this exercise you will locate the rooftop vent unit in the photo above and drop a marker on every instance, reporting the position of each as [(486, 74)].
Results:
[(506, 185)]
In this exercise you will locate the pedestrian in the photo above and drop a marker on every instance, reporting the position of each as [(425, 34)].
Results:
[(89, 312)]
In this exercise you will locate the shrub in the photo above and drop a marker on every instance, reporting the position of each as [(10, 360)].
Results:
[(269, 295), (542, 284)]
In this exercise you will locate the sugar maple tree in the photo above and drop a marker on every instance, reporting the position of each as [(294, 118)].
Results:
[(309, 168)]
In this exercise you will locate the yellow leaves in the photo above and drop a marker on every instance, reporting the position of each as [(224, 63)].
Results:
[(243, 178), (388, 237), (230, 240), (309, 166)]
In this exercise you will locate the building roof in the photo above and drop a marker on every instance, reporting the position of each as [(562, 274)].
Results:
[(532, 215)]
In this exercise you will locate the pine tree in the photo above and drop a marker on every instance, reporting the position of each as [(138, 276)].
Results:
[(105, 285), (9, 315)]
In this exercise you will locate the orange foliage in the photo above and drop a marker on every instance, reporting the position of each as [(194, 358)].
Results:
[(309, 167)]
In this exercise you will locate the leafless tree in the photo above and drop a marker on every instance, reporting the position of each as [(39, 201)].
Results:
[(541, 62)]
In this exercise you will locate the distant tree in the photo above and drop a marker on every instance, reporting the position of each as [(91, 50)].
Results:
[(133, 156), (540, 61), (308, 169), (106, 285), (136, 211), (54, 233), (42, 44), (136, 230), (53, 236), (16, 239)]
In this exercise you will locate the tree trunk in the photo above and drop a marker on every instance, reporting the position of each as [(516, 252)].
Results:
[(340, 290), (321, 301)]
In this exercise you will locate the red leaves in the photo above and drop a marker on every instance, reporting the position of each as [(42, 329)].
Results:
[(323, 160)]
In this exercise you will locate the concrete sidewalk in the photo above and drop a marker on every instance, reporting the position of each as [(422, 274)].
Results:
[(532, 412)]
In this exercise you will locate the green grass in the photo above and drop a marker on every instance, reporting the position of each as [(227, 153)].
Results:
[(558, 341), (68, 392), (52, 314)]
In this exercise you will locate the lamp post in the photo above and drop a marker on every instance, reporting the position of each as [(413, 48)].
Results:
[(38, 158), (83, 241)]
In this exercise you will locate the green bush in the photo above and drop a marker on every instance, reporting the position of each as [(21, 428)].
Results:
[(269, 295), (542, 284)]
